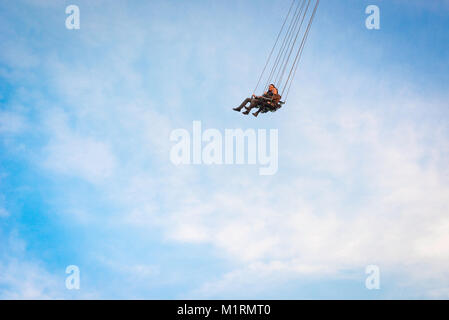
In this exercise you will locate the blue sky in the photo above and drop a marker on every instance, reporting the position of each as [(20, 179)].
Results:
[(85, 176)]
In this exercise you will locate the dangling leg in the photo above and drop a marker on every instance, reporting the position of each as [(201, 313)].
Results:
[(257, 112), (264, 108), (254, 103), (244, 103)]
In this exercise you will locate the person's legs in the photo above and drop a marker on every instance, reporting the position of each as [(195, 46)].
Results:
[(254, 103), (257, 112), (264, 108), (244, 103)]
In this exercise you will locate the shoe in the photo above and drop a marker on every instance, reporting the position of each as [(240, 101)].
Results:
[(237, 109), (246, 112), (256, 114)]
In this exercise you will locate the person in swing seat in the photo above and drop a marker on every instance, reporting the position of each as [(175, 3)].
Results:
[(256, 101), (269, 105)]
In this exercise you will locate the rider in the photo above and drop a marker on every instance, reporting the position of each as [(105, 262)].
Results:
[(272, 104), (256, 101)]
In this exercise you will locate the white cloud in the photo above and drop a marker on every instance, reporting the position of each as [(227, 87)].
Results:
[(378, 194), (27, 280), (73, 154), (262, 280), (22, 277), (442, 293), (84, 157), (11, 123)]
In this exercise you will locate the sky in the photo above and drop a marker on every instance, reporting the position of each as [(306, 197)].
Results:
[(86, 178)]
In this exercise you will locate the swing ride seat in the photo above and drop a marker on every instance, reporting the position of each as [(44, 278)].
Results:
[(270, 105)]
